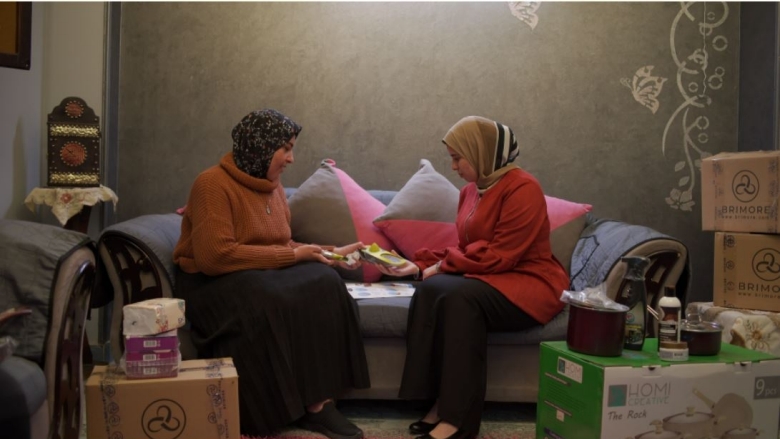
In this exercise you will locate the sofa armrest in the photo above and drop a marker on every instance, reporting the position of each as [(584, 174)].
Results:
[(138, 255)]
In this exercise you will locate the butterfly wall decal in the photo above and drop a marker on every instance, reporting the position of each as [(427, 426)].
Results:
[(645, 87), (526, 12)]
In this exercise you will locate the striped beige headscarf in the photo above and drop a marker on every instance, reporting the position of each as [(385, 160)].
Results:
[(488, 146)]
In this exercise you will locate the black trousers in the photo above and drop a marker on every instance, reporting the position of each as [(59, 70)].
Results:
[(446, 344)]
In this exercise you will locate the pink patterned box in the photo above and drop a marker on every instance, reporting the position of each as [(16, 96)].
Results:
[(152, 356), (147, 369), (166, 341)]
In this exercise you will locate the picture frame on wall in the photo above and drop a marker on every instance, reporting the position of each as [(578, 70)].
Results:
[(15, 29)]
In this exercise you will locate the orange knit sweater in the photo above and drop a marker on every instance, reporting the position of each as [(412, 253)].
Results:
[(234, 222)]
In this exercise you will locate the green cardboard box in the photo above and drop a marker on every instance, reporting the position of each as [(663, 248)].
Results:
[(639, 396)]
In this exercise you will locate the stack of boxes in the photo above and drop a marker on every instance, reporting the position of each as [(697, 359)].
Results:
[(194, 399), (740, 193), (733, 394), (151, 339)]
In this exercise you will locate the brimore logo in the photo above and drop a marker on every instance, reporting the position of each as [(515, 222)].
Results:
[(745, 186), (164, 419), (766, 264)]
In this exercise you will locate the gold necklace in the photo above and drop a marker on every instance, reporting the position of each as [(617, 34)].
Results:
[(267, 201)]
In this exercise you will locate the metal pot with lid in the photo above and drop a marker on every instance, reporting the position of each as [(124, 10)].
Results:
[(659, 433), (703, 337), (692, 424), (731, 411), (596, 331), (741, 433)]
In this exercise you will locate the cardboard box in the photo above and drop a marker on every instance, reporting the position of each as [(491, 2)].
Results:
[(747, 271), (639, 396), (201, 403), (740, 192)]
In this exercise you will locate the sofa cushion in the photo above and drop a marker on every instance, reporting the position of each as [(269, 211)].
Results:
[(567, 221), (330, 208), (422, 214), (562, 211), (387, 317)]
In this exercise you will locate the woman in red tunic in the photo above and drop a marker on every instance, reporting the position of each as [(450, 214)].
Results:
[(502, 276)]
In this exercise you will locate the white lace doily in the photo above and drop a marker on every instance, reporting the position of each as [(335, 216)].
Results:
[(66, 202)]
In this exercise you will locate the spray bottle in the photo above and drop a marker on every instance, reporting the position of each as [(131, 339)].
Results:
[(634, 296)]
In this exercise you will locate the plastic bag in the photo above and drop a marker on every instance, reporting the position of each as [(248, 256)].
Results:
[(592, 297)]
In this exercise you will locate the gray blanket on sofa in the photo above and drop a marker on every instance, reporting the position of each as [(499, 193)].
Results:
[(600, 247), (30, 257)]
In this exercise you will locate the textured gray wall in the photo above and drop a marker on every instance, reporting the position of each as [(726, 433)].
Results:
[(613, 103)]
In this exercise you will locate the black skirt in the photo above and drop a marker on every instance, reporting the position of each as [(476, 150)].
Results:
[(293, 334)]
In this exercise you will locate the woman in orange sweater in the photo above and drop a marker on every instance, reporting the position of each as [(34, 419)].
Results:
[(275, 306), (502, 276)]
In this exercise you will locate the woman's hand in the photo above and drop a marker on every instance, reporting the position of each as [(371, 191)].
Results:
[(406, 269), (430, 271), (310, 252), (346, 250)]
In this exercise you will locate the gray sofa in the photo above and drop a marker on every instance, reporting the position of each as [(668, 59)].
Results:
[(138, 257), (47, 278)]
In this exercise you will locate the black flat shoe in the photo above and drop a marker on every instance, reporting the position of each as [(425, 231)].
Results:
[(331, 423), (422, 427), (460, 434)]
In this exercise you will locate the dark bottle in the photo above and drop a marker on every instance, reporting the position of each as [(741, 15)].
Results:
[(634, 296)]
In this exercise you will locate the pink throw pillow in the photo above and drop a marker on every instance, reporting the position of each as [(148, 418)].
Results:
[(561, 211)]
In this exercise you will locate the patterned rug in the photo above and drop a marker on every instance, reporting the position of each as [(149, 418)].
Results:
[(390, 419)]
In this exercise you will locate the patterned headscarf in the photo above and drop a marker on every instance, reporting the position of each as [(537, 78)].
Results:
[(488, 146), (257, 137)]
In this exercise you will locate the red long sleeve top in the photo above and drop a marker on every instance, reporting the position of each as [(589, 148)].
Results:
[(504, 240)]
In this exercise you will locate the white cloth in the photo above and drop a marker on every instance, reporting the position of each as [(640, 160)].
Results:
[(66, 202), (153, 316)]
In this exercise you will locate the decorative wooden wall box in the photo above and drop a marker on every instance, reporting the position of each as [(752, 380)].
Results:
[(74, 144)]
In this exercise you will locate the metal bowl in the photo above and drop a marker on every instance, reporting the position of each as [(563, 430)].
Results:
[(703, 338)]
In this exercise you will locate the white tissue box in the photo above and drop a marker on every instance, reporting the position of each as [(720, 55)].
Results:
[(153, 316)]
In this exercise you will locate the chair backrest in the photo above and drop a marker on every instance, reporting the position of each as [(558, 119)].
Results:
[(138, 254), (64, 367)]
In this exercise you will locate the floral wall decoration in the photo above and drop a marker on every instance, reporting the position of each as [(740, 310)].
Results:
[(645, 87), (699, 78), (526, 12)]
